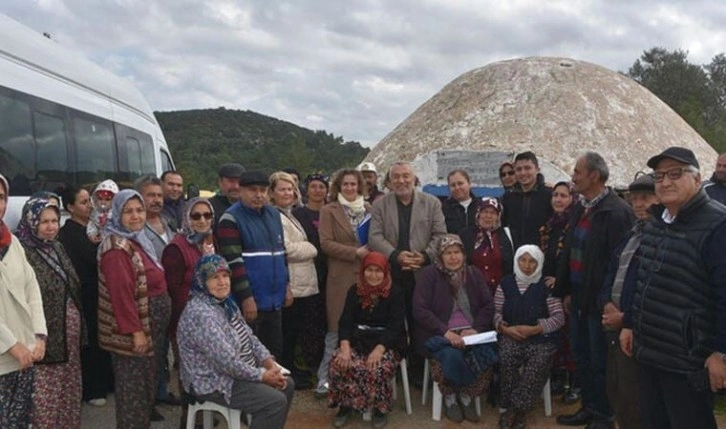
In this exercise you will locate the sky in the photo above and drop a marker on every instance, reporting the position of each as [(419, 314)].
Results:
[(353, 68)]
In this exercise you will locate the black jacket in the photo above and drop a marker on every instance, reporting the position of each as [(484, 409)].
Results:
[(457, 218), (525, 212), (611, 220)]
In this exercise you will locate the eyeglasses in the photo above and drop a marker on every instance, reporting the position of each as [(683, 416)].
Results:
[(674, 173), (506, 173), (197, 216)]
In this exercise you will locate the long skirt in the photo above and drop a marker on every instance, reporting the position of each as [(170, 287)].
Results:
[(478, 387), (136, 376), (16, 399), (525, 368), (360, 388), (57, 390)]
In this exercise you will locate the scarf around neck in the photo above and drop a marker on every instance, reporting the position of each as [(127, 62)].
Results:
[(355, 210)]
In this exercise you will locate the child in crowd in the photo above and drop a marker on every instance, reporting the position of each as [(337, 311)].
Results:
[(101, 200)]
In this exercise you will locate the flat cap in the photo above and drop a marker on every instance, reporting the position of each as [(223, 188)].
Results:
[(231, 170), (255, 177), (643, 183)]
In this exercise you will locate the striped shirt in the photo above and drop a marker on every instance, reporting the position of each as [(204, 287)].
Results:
[(554, 307)]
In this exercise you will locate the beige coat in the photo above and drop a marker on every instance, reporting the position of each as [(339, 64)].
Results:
[(339, 242), (21, 305), (300, 254)]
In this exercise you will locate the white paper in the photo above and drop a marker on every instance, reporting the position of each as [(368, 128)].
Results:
[(482, 338), (283, 370)]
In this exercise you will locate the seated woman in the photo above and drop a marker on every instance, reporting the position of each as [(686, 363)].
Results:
[(372, 337), (451, 301), (528, 318), (222, 361)]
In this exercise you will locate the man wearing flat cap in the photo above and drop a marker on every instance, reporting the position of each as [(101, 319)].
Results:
[(615, 303), (250, 238), (679, 310), (228, 194)]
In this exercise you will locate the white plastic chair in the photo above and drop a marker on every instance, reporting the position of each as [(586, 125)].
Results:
[(208, 408)]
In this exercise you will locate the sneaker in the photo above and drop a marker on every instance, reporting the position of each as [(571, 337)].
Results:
[(470, 412), (453, 413), (321, 392), (97, 402), (341, 418), (379, 419), (572, 396)]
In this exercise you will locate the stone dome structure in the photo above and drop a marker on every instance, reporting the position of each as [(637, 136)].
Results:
[(556, 107)]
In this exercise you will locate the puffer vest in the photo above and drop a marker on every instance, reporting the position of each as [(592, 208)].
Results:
[(674, 311)]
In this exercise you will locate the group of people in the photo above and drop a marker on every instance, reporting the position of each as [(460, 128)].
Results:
[(278, 283)]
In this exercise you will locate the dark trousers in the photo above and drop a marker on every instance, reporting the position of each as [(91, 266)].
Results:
[(589, 350), (268, 329), (670, 401), (96, 370), (292, 318), (623, 377)]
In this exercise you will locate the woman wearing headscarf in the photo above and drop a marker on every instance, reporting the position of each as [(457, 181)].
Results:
[(372, 338), (133, 309), (488, 245), (96, 372), (22, 326), (222, 361), (527, 317), (57, 389), (340, 241), (450, 302)]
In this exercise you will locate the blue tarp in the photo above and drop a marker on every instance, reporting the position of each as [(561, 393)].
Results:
[(442, 191)]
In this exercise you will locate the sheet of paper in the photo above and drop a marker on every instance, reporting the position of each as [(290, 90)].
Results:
[(481, 338)]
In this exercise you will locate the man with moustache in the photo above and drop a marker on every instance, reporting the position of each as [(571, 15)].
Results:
[(716, 186), (172, 184), (228, 194), (370, 177), (250, 237)]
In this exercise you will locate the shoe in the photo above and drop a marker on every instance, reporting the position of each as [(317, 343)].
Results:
[(321, 392), (341, 418), (600, 424), (169, 400), (505, 419), (156, 416), (470, 412), (580, 418), (379, 419), (572, 396), (97, 402), (454, 413)]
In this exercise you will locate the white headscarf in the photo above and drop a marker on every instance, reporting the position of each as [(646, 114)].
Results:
[(538, 256)]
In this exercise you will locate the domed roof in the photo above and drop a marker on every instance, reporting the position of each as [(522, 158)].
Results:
[(556, 107)]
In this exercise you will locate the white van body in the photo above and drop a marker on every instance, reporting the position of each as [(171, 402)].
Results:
[(64, 119)]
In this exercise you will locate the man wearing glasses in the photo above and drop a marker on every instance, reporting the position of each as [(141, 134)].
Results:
[(679, 310)]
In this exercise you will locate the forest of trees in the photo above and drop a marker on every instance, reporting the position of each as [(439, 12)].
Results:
[(202, 140)]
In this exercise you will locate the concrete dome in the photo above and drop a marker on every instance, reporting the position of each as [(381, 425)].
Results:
[(556, 107)]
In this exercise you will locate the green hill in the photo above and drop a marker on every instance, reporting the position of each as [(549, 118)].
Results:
[(201, 140)]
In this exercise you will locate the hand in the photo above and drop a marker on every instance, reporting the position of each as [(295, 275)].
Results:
[(38, 350), (249, 310), (274, 378), (269, 363), (361, 252), (374, 358), (626, 341), (455, 339), (467, 332), (612, 318), (343, 359), (513, 333), (22, 354), (567, 304), (550, 282), (716, 371), (418, 260), (141, 342), (405, 259), (288, 297)]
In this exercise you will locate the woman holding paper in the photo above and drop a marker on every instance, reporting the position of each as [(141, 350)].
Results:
[(450, 302), (340, 238), (528, 319), (222, 361)]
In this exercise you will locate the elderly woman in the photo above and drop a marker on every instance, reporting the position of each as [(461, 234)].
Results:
[(22, 326), (450, 302), (340, 240), (461, 208), (133, 308), (57, 390), (527, 318), (222, 361), (96, 372), (372, 337), (488, 245), (300, 254)]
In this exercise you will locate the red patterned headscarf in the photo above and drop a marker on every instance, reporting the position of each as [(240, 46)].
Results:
[(363, 289)]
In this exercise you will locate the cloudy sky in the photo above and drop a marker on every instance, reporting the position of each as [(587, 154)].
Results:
[(353, 68)]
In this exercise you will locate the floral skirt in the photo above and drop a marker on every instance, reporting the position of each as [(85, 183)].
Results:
[(57, 390), (16, 401), (478, 387), (360, 388)]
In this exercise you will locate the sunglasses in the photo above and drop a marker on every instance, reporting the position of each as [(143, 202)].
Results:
[(506, 173), (197, 216)]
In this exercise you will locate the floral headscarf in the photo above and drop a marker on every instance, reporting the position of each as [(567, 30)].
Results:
[(538, 256), (558, 221), (115, 227), (208, 266), (366, 291), (5, 236), (196, 238), (30, 219), (484, 236), (457, 277)]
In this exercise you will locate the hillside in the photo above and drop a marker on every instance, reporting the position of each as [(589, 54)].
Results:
[(201, 140)]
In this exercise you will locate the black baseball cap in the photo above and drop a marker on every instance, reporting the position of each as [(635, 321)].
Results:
[(255, 177), (231, 170), (680, 154)]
